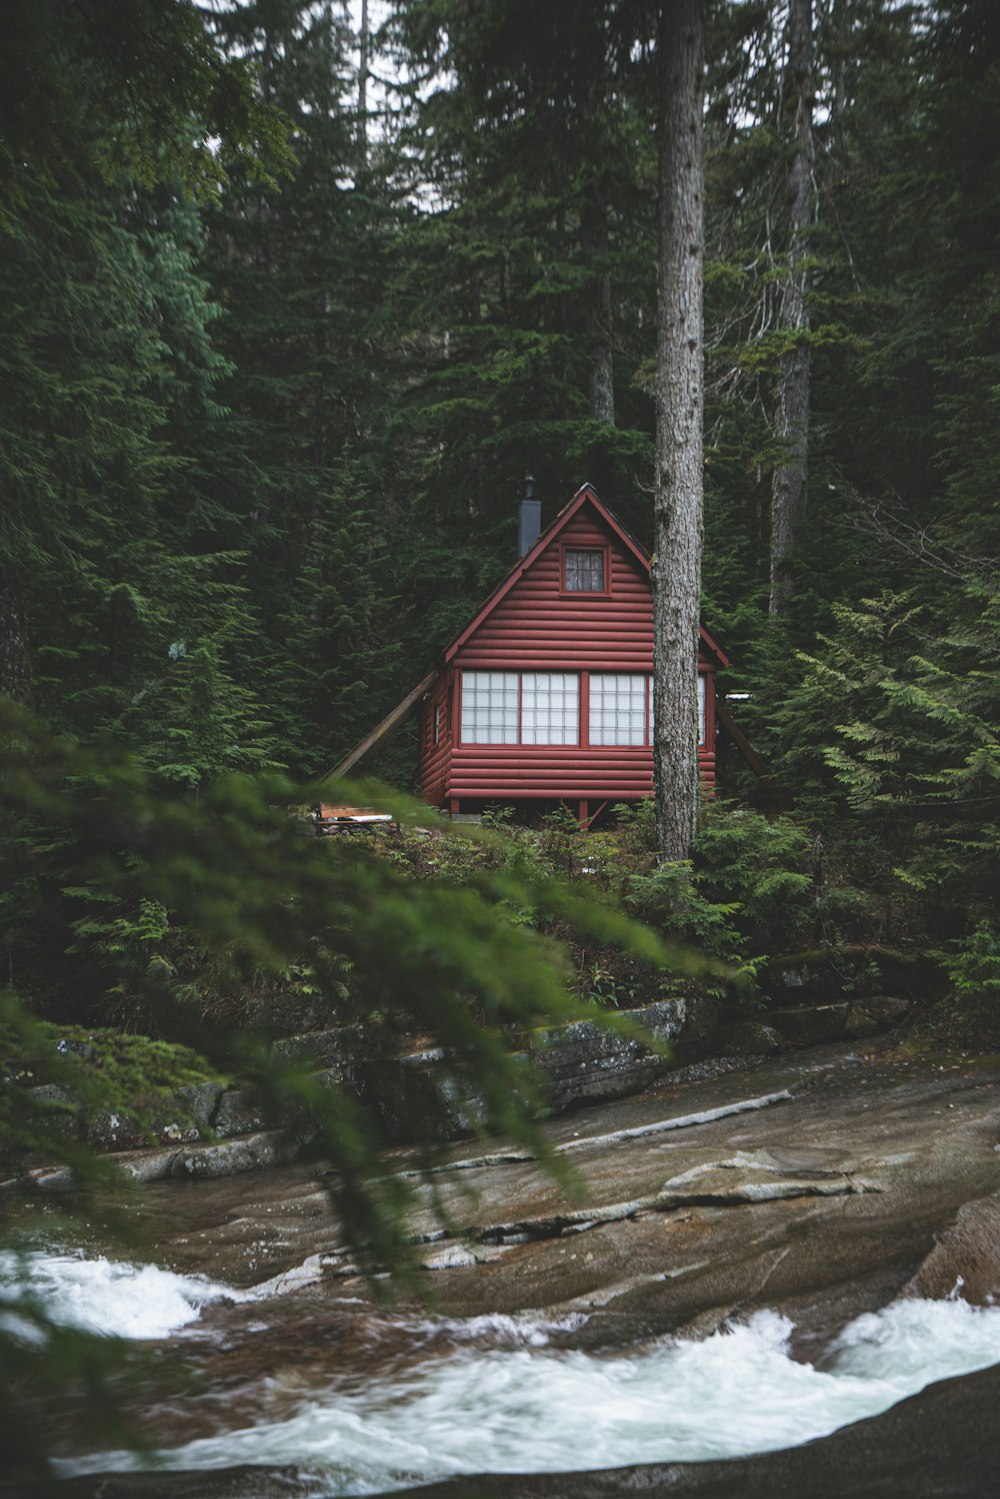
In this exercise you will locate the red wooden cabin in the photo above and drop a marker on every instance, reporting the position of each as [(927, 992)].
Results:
[(546, 696)]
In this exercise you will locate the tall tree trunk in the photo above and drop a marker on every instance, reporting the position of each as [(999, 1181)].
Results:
[(600, 354), (677, 512), (15, 663), (788, 484), (596, 88), (364, 43)]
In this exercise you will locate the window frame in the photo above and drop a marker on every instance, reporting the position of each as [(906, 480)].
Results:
[(642, 677), (564, 696), (462, 703), (584, 593), (584, 678), (520, 742)]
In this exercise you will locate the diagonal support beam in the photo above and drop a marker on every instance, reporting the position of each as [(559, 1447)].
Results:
[(390, 723), (742, 743)]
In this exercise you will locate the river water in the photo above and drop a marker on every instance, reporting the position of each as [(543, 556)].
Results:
[(744, 1276), (496, 1393)]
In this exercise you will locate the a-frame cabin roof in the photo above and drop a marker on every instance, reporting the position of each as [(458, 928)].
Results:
[(585, 496)]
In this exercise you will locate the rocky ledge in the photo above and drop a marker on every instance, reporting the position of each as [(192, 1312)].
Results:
[(210, 1130)]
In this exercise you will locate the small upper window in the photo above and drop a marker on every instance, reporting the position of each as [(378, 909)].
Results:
[(585, 572)]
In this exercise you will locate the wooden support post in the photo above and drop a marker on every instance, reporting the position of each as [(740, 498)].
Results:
[(596, 813), (776, 800), (389, 724), (742, 743)]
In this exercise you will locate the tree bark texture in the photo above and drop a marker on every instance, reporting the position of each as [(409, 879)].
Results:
[(677, 513), (788, 483), (364, 43), (15, 663), (594, 239), (597, 88), (600, 349)]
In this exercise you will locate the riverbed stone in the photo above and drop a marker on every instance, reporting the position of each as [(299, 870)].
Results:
[(812, 1024), (751, 1038), (965, 1259), (859, 1024), (240, 1112), (322, 1048), (822, 974), (235, 1157), (585, 1060), (888, 1009), (188, 1116), (110, 1129), (877, 1013)]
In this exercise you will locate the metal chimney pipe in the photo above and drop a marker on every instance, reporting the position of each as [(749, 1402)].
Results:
[(530, 527)]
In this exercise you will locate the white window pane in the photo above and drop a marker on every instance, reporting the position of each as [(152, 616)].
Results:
[(489, 707), (617, 708), (550, 707)]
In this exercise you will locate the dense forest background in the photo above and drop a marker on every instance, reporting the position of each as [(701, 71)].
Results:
[(267, 412), (292, 296)]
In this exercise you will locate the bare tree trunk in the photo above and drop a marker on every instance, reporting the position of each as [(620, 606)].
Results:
[(364, 42), (677, 512), (15, 663), (600, 352), (596, 90), (788, 484)]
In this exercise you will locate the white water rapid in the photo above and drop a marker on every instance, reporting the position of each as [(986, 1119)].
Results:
[(104, 1296), (501, 1398)]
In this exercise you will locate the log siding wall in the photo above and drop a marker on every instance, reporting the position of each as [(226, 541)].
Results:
[(434, 758)]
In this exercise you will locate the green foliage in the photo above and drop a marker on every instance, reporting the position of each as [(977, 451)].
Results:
[(668, 899), (302, 275), (129, 624), (248, 889), (756, 887), (894, 731), (972, 965), (82, 1073), (766, 867), (749, 891), (128, 85)]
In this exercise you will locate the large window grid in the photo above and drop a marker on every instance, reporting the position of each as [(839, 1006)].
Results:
[(509, 707)]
